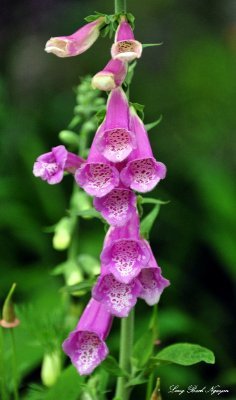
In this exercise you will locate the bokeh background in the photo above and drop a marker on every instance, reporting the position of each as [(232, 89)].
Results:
[(190, 80)]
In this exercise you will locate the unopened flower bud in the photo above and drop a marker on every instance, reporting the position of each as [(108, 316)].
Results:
[(62, 236), (51, 368), (9, 319)]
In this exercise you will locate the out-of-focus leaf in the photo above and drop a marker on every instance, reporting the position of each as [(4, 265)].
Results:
[(84, 286), (143, 348), (69, 137), (138, 380), (185, 354), (130, 73), (68, 386), (88, 214), (89, 264), (111, 365)]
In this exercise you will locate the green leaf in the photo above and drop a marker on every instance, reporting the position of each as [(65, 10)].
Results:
[(130, 74), (185, 354), (68, 386), (93, 17), (111, 365), (89, 214), (148, 221), (139, 109), (100, 115), (84, 286), (153, 124), (151, 44), (138, 380), (131, 19), (151, 200), (143, 348)]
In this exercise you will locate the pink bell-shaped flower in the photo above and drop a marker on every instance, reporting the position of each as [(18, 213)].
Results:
[(115, 140), (50, 166), (77, 43), (142, 172), (117, 206), (86, 345), (112, 76), (97, 176), (125, 48)]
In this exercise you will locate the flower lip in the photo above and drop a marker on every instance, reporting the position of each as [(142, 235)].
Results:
[(103, 81), (86, 350), (57, 46), (117, 206), (153, 284), (125, 258), (143, 174), (126, 50), (119, 298), (97, 178), (116, 144)]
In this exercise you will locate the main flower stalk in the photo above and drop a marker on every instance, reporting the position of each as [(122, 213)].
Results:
[(120, 6)]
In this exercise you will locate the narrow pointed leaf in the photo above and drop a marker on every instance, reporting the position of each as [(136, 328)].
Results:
[(68, 386), (148, 221), (145, 342), (153, 124), (151, 44)]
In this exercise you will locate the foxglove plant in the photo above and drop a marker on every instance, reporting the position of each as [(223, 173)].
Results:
[(120, 162)]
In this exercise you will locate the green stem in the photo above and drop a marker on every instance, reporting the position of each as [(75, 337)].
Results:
[(120, 6), (126, 342), (154, 327), (2, 374), (14, 365)]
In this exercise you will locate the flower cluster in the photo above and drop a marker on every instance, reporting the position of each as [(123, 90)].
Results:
[(120, 161)]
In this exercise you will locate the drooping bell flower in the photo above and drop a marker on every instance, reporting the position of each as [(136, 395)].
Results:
[(97, 176), (125, 48), (119, 298), (152, 281), (112, 76), (77, 43), (142, 172), (117, 206), (115, 140), (124, 253), (50, 166), (86, 345)]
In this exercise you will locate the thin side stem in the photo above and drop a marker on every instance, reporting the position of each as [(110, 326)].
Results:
[(120, 6), (14, 365), (126, 343), (2, 375)]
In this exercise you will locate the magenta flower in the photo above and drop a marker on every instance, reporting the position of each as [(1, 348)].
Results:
[(77, 43), (119, 298), (125, 48), (86, 345), (124, 253), (142, 172), (117, 206), (153, 283), (115, 140), (97, 176), (112, 76), (50, 166)]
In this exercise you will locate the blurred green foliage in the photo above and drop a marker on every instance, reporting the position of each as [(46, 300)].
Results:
[(190, 80)]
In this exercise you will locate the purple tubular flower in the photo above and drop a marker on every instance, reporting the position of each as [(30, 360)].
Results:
[(115, 140), (119, 298), (125, 48), (77, 43), (112, 76), (124, 253), (142, 172), (97, 176), (50, 166), (117, 206), (86, 345), (153, 283)]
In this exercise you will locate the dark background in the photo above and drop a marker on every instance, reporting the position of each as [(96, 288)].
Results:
[(190, 80)]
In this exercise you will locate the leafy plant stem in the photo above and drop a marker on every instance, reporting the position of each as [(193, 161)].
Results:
[(14, 365), (2, 375), (126, 343), (120, 6), (154, 328)]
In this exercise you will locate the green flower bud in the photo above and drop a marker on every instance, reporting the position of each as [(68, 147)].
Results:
[(9, 319), (51, 368)]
